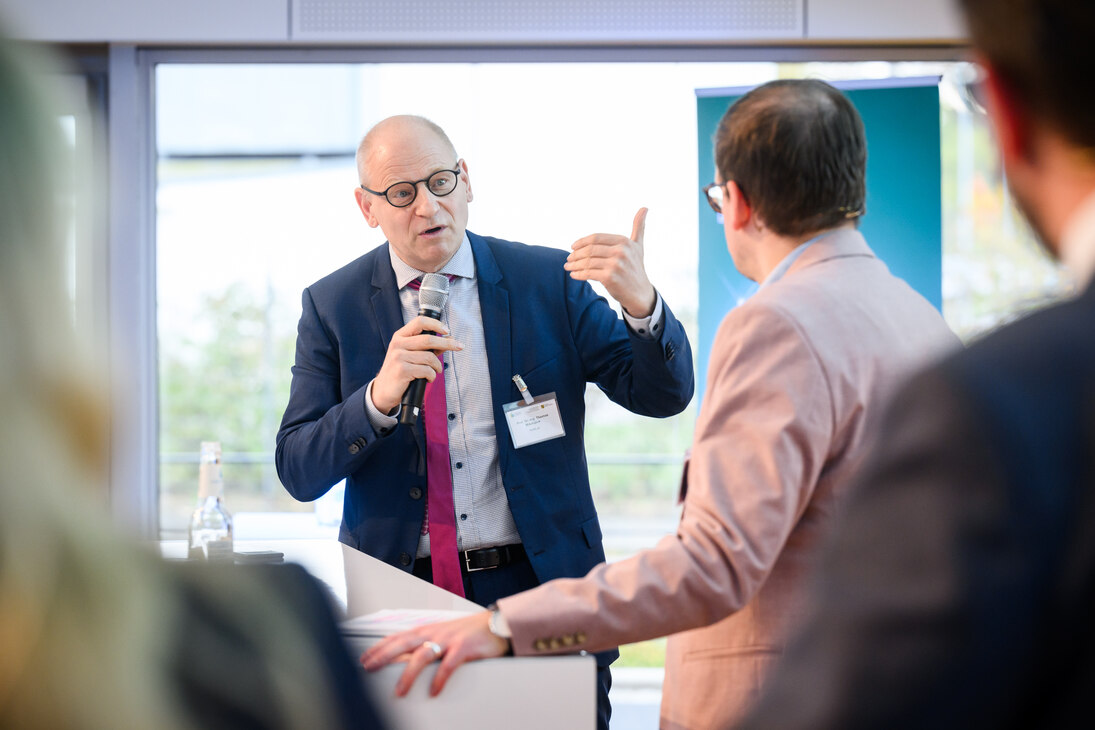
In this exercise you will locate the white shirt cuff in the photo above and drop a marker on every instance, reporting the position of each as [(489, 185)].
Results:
[(381, 422), (649, 328)]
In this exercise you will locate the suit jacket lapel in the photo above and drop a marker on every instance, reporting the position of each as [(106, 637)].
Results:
[(494, 306), (387, 311)]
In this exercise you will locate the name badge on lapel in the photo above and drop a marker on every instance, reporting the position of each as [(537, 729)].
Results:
[(532, 420)]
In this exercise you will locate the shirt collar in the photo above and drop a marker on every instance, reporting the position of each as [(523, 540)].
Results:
[(1078, 243), (788, 260), (462, 264)]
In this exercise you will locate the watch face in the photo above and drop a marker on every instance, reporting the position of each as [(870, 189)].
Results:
[(495, 624)]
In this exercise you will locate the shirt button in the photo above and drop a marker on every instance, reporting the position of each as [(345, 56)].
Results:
[(416, 493), (404, 559), (463, 517), (459, 465), (452, 416)]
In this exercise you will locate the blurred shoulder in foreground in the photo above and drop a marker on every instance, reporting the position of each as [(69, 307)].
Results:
[(96, 631)]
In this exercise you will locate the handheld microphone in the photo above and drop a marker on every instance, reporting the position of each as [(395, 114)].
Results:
[(432, 296)]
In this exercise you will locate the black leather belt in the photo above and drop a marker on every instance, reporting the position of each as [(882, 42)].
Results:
[(493, 557)]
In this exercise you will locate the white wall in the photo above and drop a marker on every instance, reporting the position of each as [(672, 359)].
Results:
[(424, 22), (883, 20), (147, 21)]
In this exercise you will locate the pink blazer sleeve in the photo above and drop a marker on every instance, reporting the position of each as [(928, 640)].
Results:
[(762, 439)]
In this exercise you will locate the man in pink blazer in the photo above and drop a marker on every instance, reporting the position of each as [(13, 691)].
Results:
[(959, 589), (798, 377)]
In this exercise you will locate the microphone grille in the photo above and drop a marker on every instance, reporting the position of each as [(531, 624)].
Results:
[(434, 292)]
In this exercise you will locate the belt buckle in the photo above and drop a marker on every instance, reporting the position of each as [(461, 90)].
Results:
[(467, 563)]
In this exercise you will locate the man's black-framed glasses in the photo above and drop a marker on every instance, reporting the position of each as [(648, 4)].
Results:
[(402, 194), (715, 194)]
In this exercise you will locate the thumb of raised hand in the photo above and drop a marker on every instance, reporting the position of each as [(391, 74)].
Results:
[(638, 228)]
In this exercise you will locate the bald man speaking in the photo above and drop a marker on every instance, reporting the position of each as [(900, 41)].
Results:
[(500, 481)]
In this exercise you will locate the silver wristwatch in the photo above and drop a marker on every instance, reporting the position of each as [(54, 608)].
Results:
[(498, 626)]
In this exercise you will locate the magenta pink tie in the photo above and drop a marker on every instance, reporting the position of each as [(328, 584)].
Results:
[(440, 513)]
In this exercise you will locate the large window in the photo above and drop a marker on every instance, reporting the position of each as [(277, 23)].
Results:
[(255, 202)]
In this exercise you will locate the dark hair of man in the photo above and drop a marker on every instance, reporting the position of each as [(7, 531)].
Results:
[(797, 150), (1044, 51)]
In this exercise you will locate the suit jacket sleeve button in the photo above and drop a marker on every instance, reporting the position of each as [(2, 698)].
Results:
[(354, 448), (416, 493), (540, 645), (404, 559), (580, 637)]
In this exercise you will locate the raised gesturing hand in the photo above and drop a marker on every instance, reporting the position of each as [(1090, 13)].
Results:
[(617, 262)]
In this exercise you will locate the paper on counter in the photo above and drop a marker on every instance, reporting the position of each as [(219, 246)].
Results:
[(391, 621)]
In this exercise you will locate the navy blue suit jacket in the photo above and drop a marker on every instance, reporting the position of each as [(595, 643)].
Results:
[(960, 588), (538, 322)]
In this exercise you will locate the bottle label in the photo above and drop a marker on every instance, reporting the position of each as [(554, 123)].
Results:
[(210, 481)]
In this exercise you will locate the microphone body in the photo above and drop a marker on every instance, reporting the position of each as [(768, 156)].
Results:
[(432, 296)]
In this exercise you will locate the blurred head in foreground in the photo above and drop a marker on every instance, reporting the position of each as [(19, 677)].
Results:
[(94, 631), (1036, 56)]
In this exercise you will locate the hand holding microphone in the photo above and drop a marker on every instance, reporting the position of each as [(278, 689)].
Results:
[(413, 353), (432, 295)]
